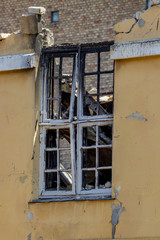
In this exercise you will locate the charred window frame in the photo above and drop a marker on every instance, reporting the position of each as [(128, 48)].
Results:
[(77, 112)]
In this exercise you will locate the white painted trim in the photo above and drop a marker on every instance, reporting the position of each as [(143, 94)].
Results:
[(15, 62), (135, 49)]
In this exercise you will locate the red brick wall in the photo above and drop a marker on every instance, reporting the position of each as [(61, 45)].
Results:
[(80, 20)]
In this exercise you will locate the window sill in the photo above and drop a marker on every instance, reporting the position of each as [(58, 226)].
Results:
[(69, 199)]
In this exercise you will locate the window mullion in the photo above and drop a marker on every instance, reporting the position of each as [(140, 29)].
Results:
[(98, 82), (96, 157), (74, 80), (72, 140), (58, 165), (60, 92)]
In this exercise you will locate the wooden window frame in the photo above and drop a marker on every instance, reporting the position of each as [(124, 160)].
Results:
[(82, 121)]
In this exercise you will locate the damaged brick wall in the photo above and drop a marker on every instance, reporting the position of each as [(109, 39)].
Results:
[(80, 20)]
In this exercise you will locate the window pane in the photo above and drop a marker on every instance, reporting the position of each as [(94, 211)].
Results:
[(51, 160), (66, 181), (92, 107), (106, 62), (104, 178), (88, 180), (105, 157), (56, 67), (59, 87), (51, 181), (64, 138), (105, 135), (55, 16), (90, 84), (67, 66), (106, 83), (89, 136), (91, 62), (106, 103), (89, 158), (51, 138), (65, 159)]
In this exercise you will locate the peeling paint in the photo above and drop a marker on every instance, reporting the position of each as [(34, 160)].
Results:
[(29, 236), (30, 216), (137, 116), (141, 22), (117, 136), (117, 210), (22, 179)]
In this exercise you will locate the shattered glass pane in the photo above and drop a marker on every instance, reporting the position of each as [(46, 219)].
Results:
[(65, 159), (51, 159), (51, 138), (105, 157), (64, 138), (89, 136), (65, 181), (104, 178), (89, 158), (88, 180), (106, 62), (105, 135), (91, 62), (51, 181)]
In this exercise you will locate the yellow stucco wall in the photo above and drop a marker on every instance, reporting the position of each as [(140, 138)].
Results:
[(136, 162), (136, 144)]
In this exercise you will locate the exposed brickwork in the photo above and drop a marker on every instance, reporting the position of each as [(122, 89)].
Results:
[(80, 20)]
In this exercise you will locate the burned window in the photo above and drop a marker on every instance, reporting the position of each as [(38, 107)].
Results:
[(96, 83), (59, 85), (76, 124)]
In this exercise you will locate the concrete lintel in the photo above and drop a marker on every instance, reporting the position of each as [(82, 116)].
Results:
[(135, 49), (15, 62)]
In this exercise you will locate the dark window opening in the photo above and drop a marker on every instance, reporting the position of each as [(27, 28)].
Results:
[(55, 16)]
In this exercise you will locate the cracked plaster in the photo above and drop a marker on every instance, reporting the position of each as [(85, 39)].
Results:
[(144, 26)]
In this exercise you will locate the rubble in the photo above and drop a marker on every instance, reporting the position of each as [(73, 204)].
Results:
[(155, 2)]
